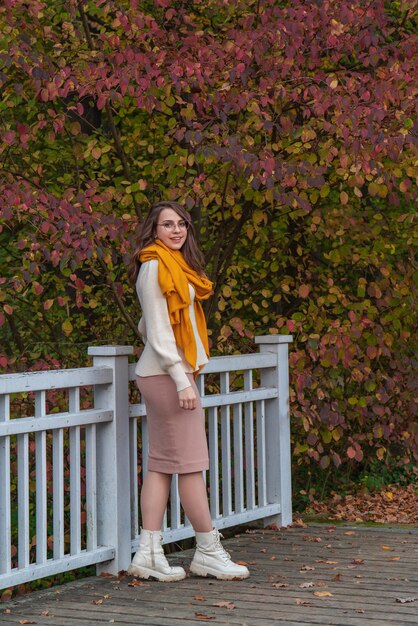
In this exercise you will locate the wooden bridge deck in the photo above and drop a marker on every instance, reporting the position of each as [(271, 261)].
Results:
[(314, 575)]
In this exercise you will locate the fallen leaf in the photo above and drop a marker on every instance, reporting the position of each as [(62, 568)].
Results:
[(45, 613), (350, 532), (306, 568), (395, 558), (263, 550), (7, 611), (357, 561), (359, 610), (301, 602), (223, 604), (273, 558), (337, 578), (309, 538), (386, 548), (273, 526), (323, 594), (100, 601), (199, 598), (306, 585), (404, 600), (136, 583), (280, 585), (26, 621), (243, 562), (203, 616)]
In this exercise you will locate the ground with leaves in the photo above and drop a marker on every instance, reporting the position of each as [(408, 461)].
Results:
[(306, 574), (394, 505)]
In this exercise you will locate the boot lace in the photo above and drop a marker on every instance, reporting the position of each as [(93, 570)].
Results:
[(225, 555)]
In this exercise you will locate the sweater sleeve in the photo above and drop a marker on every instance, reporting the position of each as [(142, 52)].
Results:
[(159, 332)]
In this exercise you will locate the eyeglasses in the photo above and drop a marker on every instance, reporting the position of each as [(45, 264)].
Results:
[(169, 226)]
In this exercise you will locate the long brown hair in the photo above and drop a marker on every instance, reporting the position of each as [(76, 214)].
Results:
[(148, 230)]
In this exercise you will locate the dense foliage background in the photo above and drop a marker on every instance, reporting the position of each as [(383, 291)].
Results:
[(288, 130)]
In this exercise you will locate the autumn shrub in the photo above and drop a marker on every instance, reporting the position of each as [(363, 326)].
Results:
[(287, 129)]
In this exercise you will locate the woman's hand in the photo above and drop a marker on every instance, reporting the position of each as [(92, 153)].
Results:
[(187, 398)]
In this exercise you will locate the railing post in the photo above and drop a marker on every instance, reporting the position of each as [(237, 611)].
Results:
[(113, 484), (279, 486)]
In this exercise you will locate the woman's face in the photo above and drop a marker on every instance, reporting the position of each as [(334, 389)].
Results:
[(171, 229)]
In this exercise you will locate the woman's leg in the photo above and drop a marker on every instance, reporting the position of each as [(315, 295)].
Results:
[(154, 496), (194, 499), (149, 560)]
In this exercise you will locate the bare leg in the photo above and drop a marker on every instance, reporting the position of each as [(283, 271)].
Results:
[(154, 496), (194, 499)]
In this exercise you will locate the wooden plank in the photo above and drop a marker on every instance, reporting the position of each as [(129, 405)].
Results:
[(91, 487), (238, 460), (214, 466), (54, 379), (41, 481), (75, 476), (23, 499), (58, 492), (57, 420), (226, 449), (5, 508)]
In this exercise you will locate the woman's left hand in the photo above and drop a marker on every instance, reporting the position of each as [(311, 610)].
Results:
[(187, 398)]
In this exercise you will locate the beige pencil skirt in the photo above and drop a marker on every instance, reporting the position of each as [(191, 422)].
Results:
[(176, 437)]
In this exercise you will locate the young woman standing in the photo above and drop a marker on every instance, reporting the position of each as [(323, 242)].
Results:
[(170, 282)]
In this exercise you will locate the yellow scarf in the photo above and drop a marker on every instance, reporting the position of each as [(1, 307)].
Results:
[(174, 276)]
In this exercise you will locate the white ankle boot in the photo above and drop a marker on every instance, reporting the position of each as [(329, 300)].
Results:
[(211, 559), (149, 560)]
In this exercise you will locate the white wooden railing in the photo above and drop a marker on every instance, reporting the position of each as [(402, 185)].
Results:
[(69, 480)]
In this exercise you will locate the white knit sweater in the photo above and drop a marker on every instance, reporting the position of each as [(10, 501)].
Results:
[(161, 354)]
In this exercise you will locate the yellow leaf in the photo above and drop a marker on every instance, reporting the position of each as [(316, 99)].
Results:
[(67, 327), (323, 594), (343, 197), (389, 495)]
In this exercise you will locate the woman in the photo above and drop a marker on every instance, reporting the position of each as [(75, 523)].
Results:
[(170, 282)]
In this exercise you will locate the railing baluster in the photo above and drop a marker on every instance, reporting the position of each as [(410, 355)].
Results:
[(41, 482), (144, 446), (226, 449), (261, 453), (58, 491), (238, 460), (249, 444), (214, 465), (174, 503), (5, 534), (91, 487), (133, 459), (23, 499), (75, 475)]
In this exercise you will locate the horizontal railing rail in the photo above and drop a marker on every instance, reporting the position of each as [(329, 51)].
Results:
[(70, 480)]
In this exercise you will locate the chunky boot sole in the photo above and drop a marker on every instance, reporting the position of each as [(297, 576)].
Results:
[(202, 570), (144, 572)]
